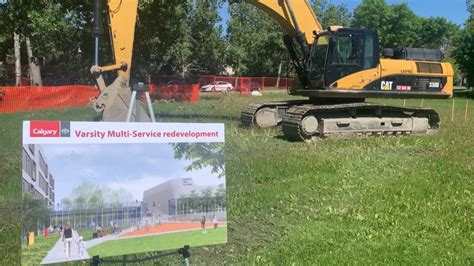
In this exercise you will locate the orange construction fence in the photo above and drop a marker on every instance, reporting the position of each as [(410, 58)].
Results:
[(176, 92), (29, 98)]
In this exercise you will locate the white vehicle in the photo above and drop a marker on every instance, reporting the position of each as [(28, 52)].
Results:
[(218, 86)]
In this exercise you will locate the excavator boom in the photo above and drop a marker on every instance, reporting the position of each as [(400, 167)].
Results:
[(303, 17), (295, 16)]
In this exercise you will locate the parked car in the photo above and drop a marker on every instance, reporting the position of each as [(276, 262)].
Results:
[(222, 86)]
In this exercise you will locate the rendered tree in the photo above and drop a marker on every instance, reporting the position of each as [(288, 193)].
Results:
[(88, 195), (35, 212), (202, 155)]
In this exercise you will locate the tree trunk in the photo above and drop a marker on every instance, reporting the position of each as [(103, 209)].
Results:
[(35, 72), (17, 44), (279, 74)]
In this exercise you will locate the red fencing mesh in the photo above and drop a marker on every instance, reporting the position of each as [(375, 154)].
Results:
[(28, 98), (176, 92), (252, 83)]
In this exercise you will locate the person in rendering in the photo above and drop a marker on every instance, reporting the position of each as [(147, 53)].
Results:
[(81, 246), (203, 224), (67, 239), (214, 221)]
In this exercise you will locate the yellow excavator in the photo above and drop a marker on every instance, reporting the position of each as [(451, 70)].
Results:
[(337, 69)]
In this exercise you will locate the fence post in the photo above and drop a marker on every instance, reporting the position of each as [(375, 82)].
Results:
[(214, 88), (465, 111), (452, 112)]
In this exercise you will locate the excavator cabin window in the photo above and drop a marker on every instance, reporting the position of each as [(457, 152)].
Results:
[(318, 61), (350, 51)]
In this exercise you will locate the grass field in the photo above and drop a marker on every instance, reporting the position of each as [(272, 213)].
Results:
[(388, 200), (160, 242), (86, 233), (34, 254)]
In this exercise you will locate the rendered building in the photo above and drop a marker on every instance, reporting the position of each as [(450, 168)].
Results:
[(176, 197), (36, 175)]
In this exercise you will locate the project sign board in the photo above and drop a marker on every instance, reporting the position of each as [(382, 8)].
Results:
[(111, 189)]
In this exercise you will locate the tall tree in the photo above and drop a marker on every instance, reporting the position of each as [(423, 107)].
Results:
[(47, 27), (162, 43), (75, 55), (373, 14), (17, 47), (255, 45), (464, 47), (332, 14), (403, 26), (206, 36), (5, 42), (437, 32), (397, 25)]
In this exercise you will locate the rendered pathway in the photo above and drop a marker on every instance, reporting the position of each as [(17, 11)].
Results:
[(58, 253)]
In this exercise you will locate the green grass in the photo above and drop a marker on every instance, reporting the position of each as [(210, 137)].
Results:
[(387, 200), (34, 254), (160, 242), (85, 233)]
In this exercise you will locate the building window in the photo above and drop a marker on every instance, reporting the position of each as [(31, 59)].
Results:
[(200, 205), (172, 207), (43, 165), (43, 184), (29, 165), (51, 180), (33, 170), (25, 186), (24, 160), (32, 148)]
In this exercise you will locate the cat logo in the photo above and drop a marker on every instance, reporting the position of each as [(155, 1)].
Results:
[(386, 85)]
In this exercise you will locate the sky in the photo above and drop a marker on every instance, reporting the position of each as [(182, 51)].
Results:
[(134, 167), (453, 10)]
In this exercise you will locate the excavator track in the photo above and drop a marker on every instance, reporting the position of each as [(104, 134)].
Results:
[(308, 122), (272, 113)]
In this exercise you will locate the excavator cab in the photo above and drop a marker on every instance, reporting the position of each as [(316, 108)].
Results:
[(335, 55)]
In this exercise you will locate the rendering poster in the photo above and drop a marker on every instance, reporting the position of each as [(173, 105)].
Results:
[(112, 189)]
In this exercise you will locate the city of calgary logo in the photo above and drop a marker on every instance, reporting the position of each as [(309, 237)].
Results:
[(49, 129)]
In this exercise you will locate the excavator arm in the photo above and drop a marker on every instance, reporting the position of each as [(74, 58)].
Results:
[(295, 16)]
